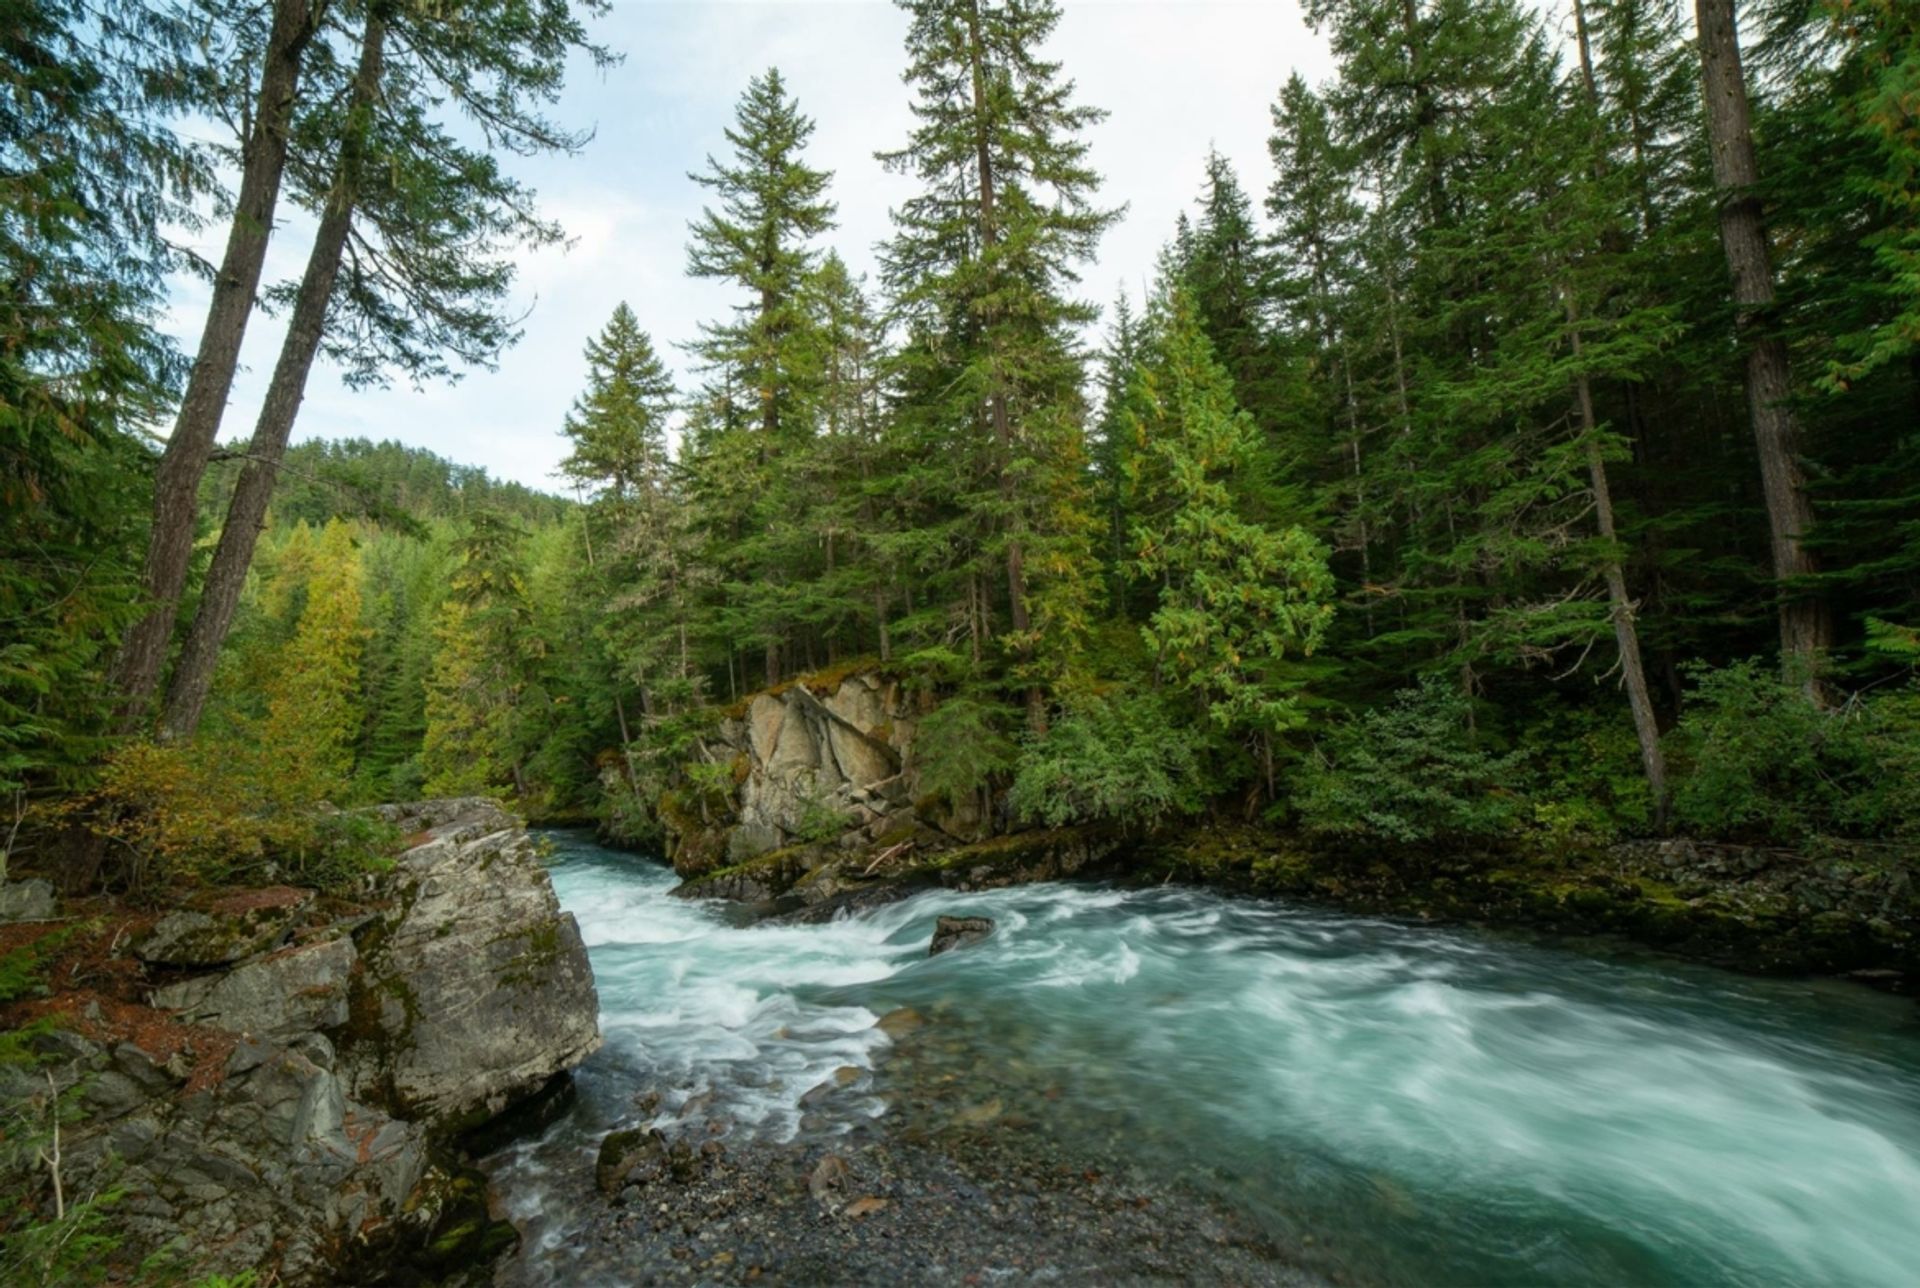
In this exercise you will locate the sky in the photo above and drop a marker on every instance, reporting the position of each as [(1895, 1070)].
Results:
[(1177, 76)]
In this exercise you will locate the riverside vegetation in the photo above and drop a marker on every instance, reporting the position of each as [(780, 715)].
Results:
[(1504, 508)]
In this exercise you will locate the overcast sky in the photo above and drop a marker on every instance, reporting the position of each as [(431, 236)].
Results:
[(1176, 75)]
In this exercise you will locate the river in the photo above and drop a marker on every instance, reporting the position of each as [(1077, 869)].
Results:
[(1414, 1105)]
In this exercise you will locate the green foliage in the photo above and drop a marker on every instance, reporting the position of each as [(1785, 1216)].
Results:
[(1760, 762), (1410, 771), (1584, 775), (1236, 598), (962, 746), (820, 820), (216, 812), (1126, 759)]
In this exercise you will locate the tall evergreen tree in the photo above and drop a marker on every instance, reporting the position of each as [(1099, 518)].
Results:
[(409, 265), (1806, 627), (1236, 599), (981, 268), (771, 205)]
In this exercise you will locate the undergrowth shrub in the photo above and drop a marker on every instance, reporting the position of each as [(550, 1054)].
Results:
[(214, 814), (1410, 771), (1585, 784), (1757, 761), (1121, 758), (961, 746)]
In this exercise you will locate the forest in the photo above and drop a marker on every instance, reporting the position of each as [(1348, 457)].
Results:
[(1531, 450), (1499, 509)]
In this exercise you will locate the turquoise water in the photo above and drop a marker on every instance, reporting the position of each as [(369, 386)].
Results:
[(1414, 1105)]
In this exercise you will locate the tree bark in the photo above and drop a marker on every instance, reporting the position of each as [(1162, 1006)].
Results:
[(1626, 635), (137, 665), (1806, 630), (247, 511)]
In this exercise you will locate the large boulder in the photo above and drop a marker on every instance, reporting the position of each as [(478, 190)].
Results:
[(293, 1108), (474, 989), (261, 1160)]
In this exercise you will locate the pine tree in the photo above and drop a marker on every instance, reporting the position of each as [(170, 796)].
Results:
[(484, 653), (1317, 229), (1806, 627), (618, 425), (1236, 599), (980, 268), (411, 262), (1113, 446), (91, 177), (771, 205)]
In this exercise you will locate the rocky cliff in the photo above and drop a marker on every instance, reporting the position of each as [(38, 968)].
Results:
[(294, 1094), (811, 793)]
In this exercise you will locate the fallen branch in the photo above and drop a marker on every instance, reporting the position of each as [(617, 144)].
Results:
[(885, 855)]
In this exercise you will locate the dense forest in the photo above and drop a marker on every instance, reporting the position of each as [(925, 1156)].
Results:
[(1533, 448)]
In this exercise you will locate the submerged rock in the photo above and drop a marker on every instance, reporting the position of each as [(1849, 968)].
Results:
[(629, 1157), (958, 932)]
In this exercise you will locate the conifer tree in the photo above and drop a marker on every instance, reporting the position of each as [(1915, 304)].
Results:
[(481, 667), (312, 697), (981, 267), (771, 205), (409, 267), (1236, 599), (618, 425), (1806, 627)]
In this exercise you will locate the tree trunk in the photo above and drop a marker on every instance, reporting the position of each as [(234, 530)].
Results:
[(137, 665), (247, 511), (1806, 630), (1626, 635)]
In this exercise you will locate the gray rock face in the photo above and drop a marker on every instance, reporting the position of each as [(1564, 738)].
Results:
[(224, 933), (474, 990), (295, 990), (269, 1164), (958, 932), (299, 1126), (26, 900), (810, 760)]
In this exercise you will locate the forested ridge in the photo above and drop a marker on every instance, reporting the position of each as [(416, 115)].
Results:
[(1531, 450)]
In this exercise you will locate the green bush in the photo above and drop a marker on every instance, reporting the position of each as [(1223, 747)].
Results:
[(1121, 759), (1586, 781), (1411, 771), (962, 745), (1758, 762)]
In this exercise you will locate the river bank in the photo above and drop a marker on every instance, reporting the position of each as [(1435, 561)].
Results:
[(1852, 911)]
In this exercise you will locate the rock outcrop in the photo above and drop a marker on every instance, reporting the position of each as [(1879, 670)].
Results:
[(297, 1096), (809, 795), (809, 761), (473, 989)]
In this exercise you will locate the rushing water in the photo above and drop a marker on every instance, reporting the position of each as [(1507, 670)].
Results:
[(1419, 1105)]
